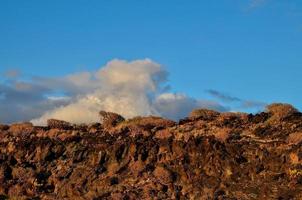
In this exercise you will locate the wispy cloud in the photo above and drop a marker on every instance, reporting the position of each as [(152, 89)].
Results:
[(242, 103), (222, 96)]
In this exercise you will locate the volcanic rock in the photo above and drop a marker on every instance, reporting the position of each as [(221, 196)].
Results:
[(208, 155)]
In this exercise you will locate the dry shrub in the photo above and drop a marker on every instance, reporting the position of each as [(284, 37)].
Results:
[(58, 124), (110, 119), (280, 110), (204, 114), (230, 118), (148, 122), (21, 128), (233, 115), (21, 125)]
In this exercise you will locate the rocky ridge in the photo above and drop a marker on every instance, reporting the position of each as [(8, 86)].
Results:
[(209, 155)]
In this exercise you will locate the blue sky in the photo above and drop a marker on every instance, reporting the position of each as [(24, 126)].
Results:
[(248, 49)]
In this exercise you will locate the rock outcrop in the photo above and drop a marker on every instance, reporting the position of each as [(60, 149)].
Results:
[(208, 155)]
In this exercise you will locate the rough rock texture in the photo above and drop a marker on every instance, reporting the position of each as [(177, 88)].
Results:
[(220, 156)]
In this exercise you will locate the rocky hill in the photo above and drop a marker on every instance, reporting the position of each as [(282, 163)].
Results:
[(208, 155)]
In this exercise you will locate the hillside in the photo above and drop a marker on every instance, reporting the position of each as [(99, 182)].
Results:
[(208, 155)]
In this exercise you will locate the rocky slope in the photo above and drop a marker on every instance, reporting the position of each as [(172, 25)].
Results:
[(208, 155)]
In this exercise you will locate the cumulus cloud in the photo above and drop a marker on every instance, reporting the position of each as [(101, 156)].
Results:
[(120, 86), (138, 87)]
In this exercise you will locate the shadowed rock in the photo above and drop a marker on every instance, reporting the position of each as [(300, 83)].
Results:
[(3, 127)]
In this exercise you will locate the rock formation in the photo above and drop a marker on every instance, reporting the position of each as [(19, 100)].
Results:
[(208, 155)]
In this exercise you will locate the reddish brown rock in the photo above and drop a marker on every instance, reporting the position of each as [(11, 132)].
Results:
[(207, 156), (162, 174), (163, 134)]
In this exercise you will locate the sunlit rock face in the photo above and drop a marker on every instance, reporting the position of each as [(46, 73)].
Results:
[(208, 155)]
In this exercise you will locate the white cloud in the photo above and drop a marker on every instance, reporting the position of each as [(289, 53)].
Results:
[(120, 86)]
